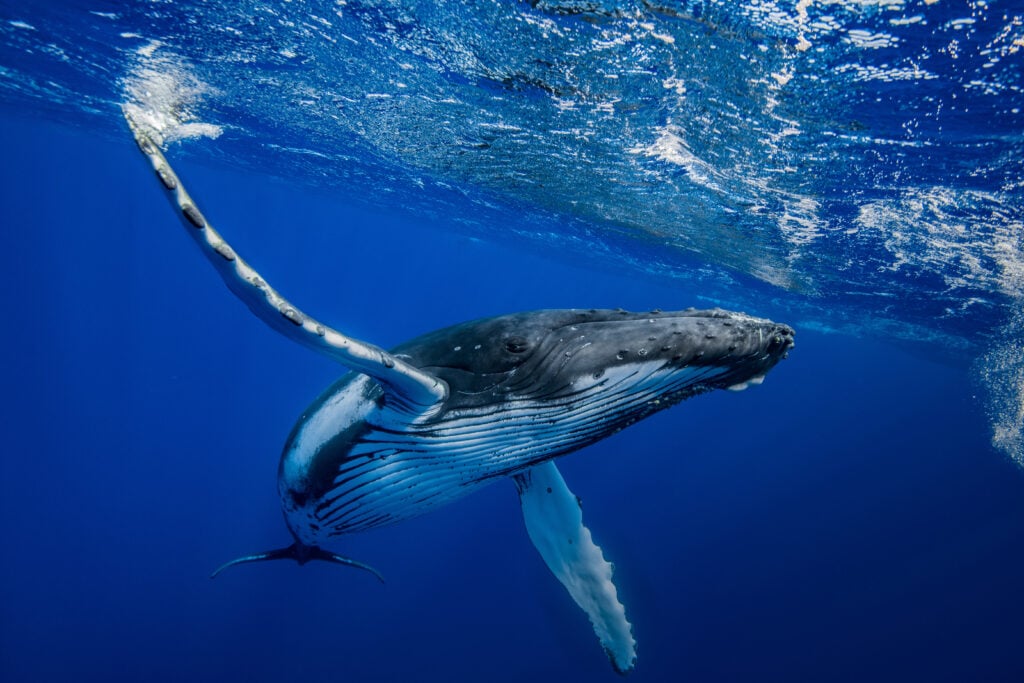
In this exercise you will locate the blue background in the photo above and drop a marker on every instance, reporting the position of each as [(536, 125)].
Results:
[(846, 521)]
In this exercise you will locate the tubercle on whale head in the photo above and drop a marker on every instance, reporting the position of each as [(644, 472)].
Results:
[(749, 347)]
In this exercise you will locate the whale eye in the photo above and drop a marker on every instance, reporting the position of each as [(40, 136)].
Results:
[(516, 345)]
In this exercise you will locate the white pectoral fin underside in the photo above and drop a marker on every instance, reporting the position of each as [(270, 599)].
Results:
[(409, 387), (554, 522)]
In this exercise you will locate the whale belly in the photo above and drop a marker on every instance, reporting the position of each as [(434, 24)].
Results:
[(383, 474)]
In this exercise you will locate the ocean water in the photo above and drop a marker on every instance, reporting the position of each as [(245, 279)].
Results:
[(853, 169)]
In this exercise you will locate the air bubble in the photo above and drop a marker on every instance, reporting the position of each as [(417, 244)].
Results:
[(1001, 372)]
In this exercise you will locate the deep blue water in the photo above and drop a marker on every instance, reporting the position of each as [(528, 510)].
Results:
[(397, 167), (845, 521)]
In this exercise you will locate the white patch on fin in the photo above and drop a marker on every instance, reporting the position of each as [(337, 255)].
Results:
[(554, 522), (753, 381)]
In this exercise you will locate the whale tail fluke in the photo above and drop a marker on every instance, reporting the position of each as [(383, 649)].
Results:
[(302, 554)]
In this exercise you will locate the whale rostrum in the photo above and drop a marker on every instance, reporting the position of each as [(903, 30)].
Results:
[(446, 413)]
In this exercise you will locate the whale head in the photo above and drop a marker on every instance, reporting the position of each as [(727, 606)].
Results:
[(556, 354)]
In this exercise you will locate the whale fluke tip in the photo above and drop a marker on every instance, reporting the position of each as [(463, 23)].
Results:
[(338, 559), (279, 554)]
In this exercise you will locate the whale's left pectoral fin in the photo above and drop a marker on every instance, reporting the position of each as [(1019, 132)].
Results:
[(406, 387), (554, 521)]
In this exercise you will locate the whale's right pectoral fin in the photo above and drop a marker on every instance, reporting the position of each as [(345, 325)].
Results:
[(406, 387), (554, 521)]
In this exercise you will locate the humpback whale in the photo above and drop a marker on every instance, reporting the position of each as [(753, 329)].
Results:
[(446, 413)]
